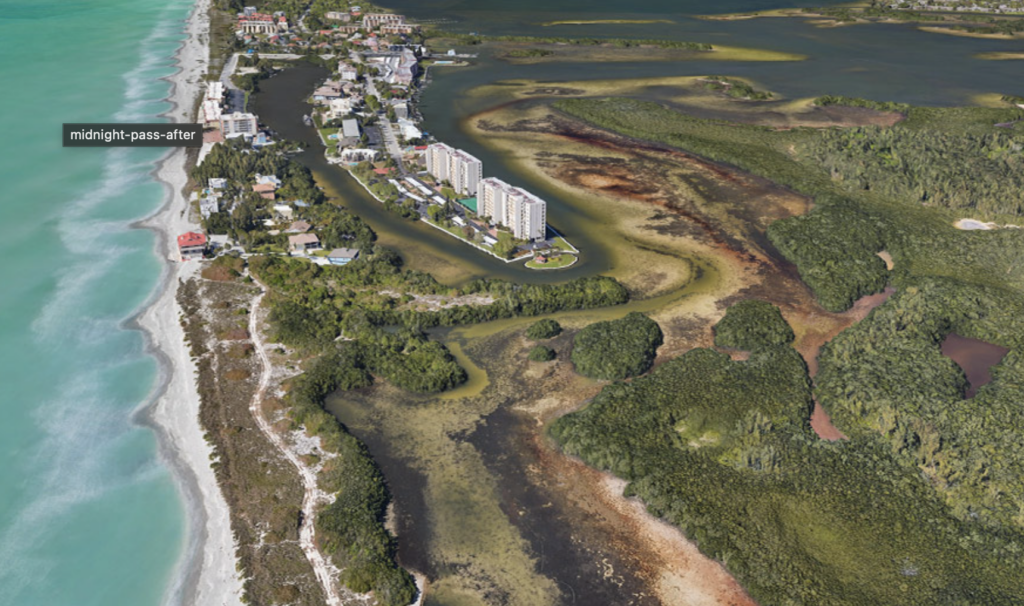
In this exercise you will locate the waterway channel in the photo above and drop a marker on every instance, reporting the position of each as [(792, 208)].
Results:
[(436, 451), (281, 103)]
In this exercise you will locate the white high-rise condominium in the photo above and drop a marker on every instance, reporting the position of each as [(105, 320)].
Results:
[(492, 203), (529, 221), (517, 209), (464, 172), (437, 160), (457, 167)]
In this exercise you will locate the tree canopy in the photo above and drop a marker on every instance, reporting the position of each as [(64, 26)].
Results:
[(617, 349)]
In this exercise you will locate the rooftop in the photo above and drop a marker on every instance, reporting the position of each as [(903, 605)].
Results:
[(303, 239), (343, 253), (191, 239)]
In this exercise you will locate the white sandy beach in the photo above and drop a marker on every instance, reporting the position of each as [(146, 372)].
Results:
[(206, 574)]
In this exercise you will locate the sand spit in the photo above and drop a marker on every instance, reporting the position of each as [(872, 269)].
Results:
[(206, 574)]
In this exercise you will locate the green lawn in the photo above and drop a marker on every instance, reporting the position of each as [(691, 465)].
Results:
[(561, 244), (326, 132), (553, 262)]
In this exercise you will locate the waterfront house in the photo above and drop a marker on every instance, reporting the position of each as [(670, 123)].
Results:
[(349, 132), (265, 190), (298, 227), (284, 211), (303, 242), (340, 107), (191, 245), (348, 73), (272, 179), (208, 206), (375, 20), (213, 136), (328, 92), (342, 256), (409, 129)]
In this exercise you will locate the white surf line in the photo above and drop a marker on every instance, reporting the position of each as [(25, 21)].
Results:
[(313, 496)]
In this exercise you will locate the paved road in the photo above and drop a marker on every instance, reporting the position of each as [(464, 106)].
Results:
[(234, 96), (390, 140), (384, 126)]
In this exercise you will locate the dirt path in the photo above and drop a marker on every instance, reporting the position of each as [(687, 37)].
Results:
[(312, 496)]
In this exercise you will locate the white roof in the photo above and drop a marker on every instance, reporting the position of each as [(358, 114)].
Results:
[(350, 128), (344, 253)]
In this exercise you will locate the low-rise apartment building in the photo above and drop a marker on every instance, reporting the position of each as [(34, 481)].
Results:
[(238, 124)]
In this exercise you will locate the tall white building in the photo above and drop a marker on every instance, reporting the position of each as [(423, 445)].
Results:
[(517, 209), (493, 200), (437, 160), (530, 216), (465, 172), (457, 167)]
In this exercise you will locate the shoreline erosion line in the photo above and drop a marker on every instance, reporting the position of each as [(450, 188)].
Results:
[(205, 574)]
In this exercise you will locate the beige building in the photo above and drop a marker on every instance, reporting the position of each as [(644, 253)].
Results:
[(258, 23), (303, 242), (393, 29), (238, 124), (375, 20)]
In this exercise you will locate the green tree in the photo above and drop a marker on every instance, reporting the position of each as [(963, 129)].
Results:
[(540, 353), (752, 324), (617, 349), (543, 329)]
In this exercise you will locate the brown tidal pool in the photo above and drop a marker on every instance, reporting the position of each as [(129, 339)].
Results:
[(975, 357)]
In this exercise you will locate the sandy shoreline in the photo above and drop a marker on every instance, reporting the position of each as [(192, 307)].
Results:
[(206, 573)]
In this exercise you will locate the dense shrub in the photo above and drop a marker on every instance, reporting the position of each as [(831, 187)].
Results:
[(722, 450), (617, 349), (541, 353), (544, 329), (752, 324)]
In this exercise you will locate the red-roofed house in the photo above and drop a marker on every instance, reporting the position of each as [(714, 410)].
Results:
[(257, 23), (191, 245), (265, 190), (383, 171)]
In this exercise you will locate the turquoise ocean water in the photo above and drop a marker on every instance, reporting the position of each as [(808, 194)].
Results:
[(89, 515)]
